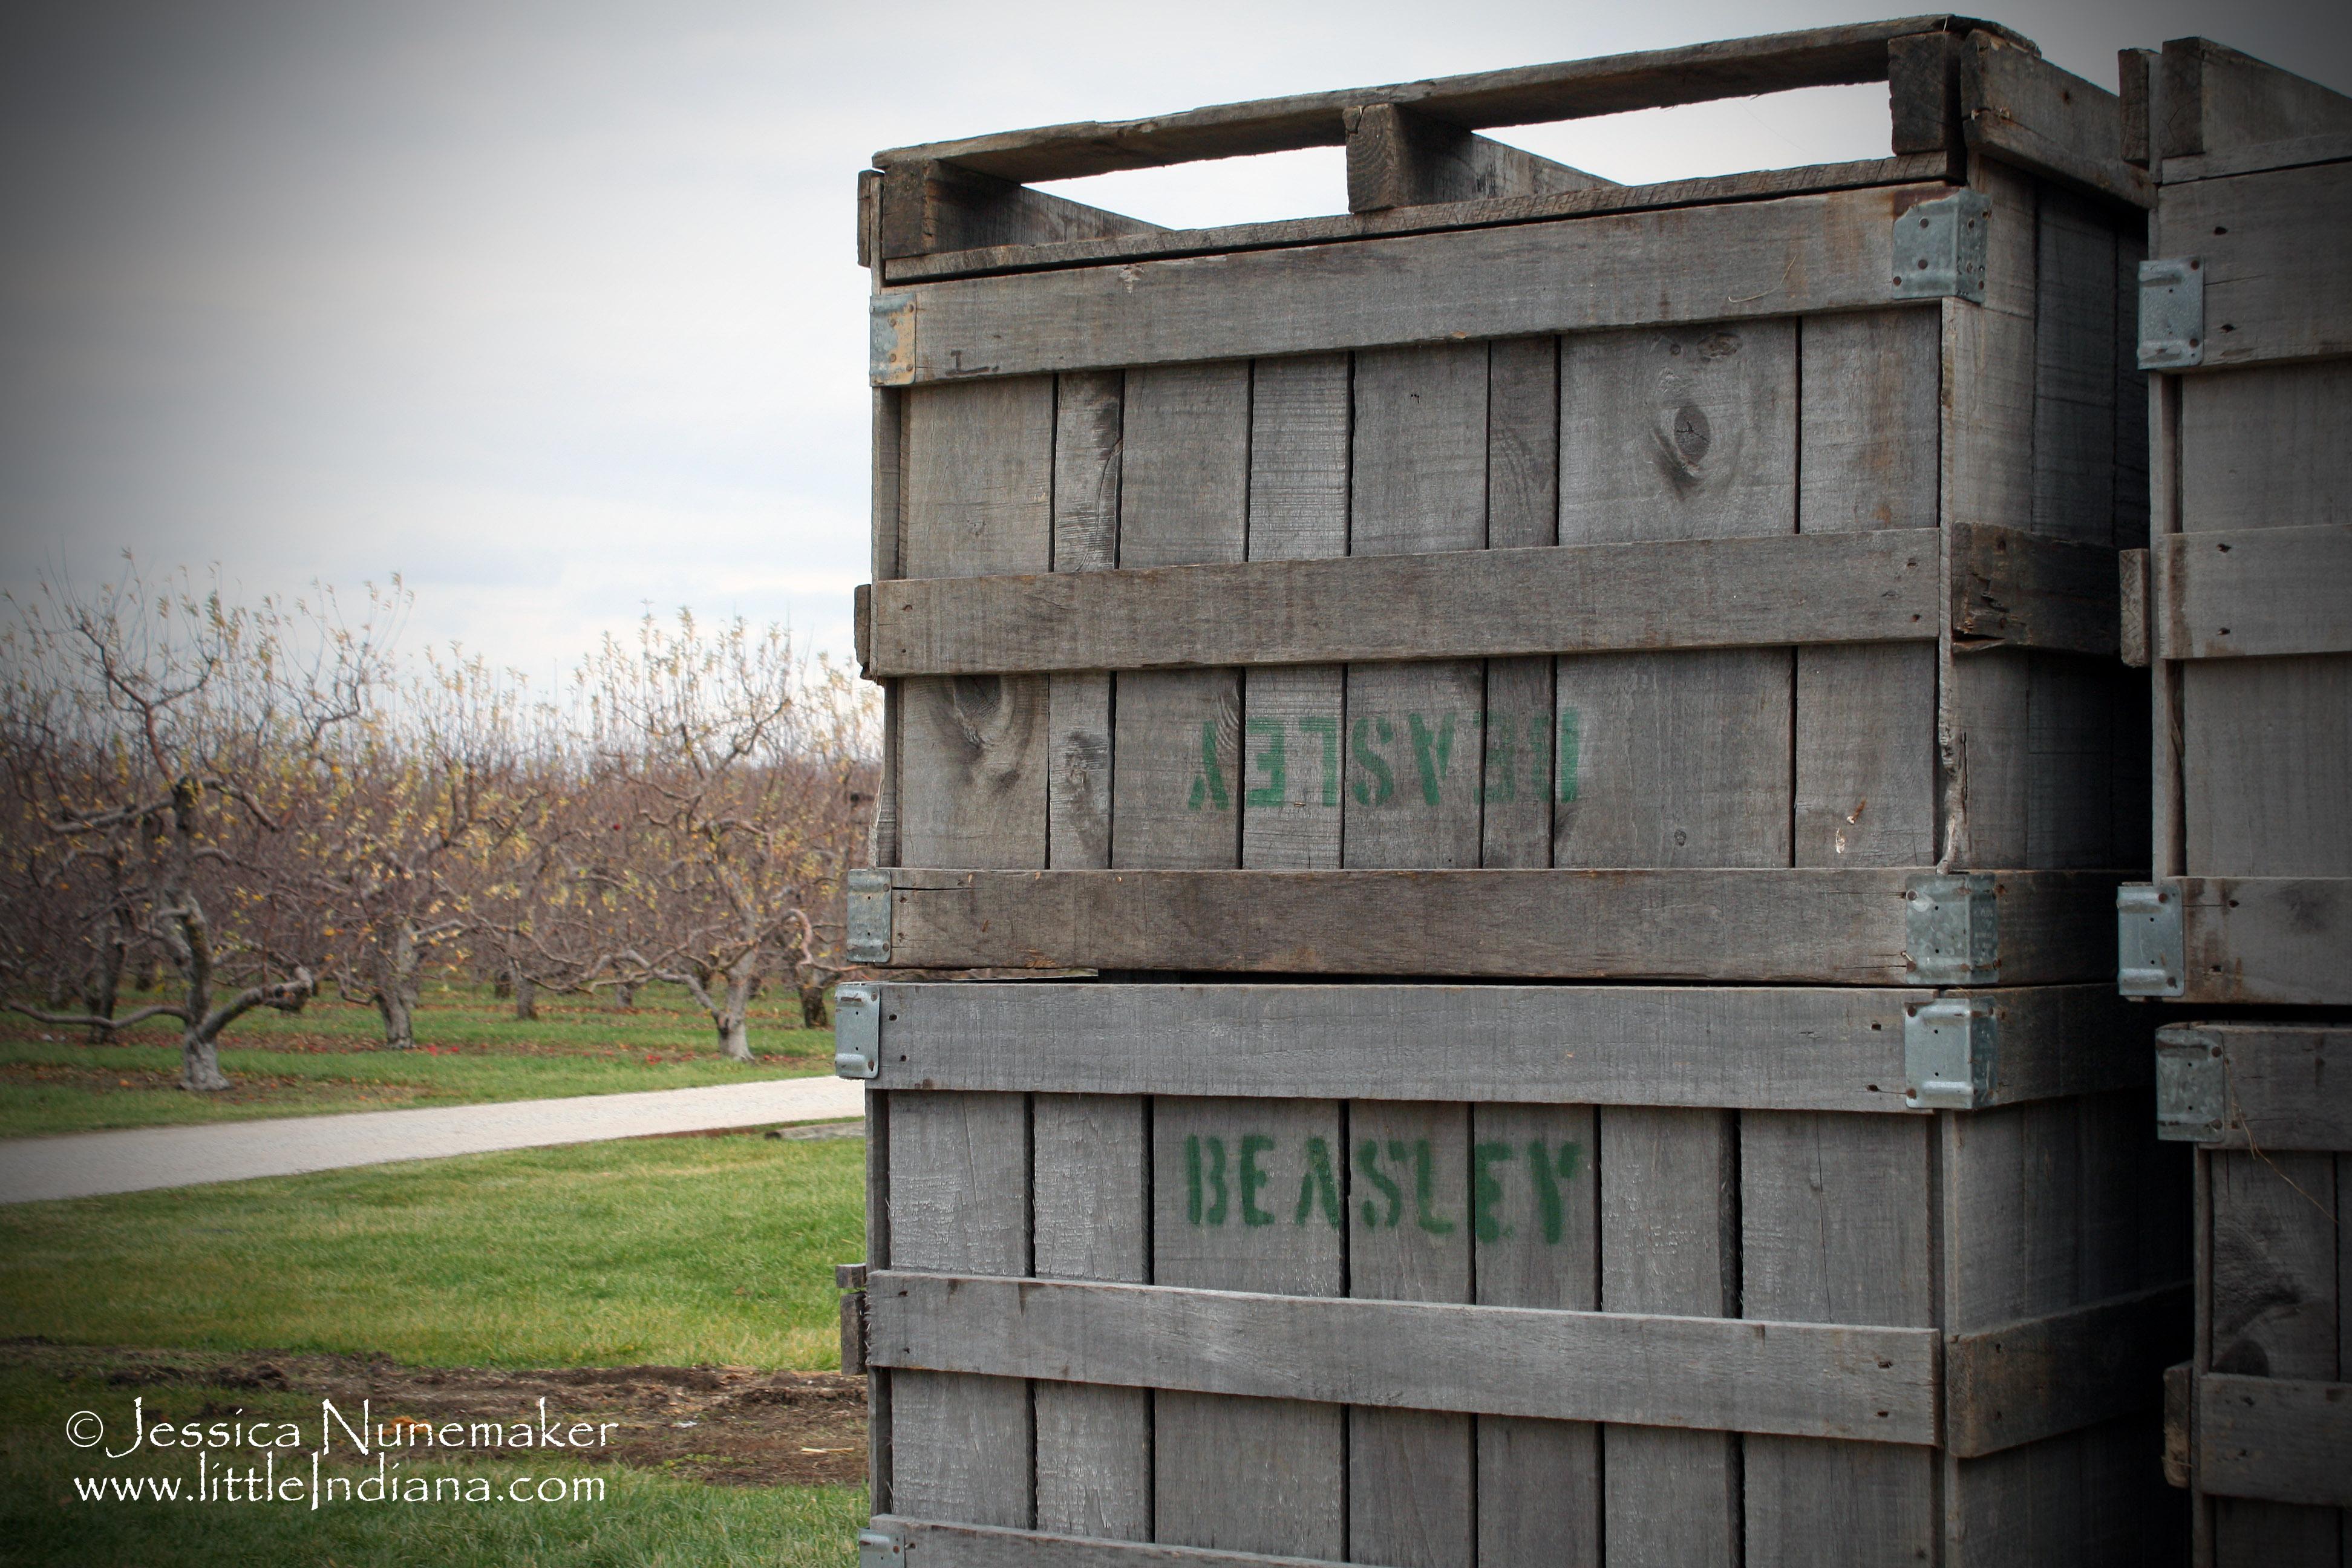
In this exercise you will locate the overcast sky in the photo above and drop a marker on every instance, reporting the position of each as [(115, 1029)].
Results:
[(553, 309)]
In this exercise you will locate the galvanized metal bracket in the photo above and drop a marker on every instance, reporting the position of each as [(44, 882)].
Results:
[(891, 343), (1950, 1055), (879, 1548), (1941, 248), (2151, 957), (2192, 1084), (2171, 313), (1952, 929), (856, 1031), (869, 917)]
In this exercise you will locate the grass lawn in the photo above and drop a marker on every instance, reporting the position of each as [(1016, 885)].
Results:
[(643, 1519), (672, 1250), (329, 1058)]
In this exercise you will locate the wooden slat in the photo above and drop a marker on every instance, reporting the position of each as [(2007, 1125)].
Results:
[(2254, 592), (2216, 99), (1875, 586), (2025, 1381), (1808, 1379), (2266, 939), (929, 207), (2020, 108), (2274, 250), (2292, 152), (2287, 1086), (974, 1546), (2280, 1439), (1800, 255), (1525, 95), (1400, 157), (1760, 926), (1484, 213)]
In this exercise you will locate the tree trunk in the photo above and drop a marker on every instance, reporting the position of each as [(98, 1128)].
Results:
[(526, 995), (812, 1006), (731, 1016), (625, 995), (397, 1007), (200, 1063)]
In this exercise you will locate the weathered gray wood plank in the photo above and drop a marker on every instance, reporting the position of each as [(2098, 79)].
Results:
[(934, 206), (1681, 759), (1840, 926), (2270, 247), (958, 1193), (1748, 260), (2266, 939), (1697, 593), (2074, 371), (1873, 1383), (971, 1546), (2019, 107), (2286, 1087), (1836, 1226), (1538, 1481), (1400, 157), (2284, 1439), (1086, 435), (2022, 1381), (1522, 512), (2254, 592), (2216, 99), (1518, 96), (1259, 1474), (1670, 1242), (1490, 212), (1761, 1047)]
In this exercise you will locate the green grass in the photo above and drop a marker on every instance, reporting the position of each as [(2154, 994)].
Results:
[(329, 1058), (646, 1521), (672, 1250)]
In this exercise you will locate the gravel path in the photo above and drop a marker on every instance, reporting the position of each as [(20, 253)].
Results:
[(84, 1164)]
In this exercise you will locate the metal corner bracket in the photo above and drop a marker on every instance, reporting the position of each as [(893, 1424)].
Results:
[(880, 1549), (2151, 957), (890, 347), (1951, 926), (869, 917), (856, 1031), (2171, 313), (2192, 1084), (1951, 1054), (1940, 247)]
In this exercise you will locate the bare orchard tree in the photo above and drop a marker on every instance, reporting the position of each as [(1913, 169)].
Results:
[(162, 733), (723, 760)]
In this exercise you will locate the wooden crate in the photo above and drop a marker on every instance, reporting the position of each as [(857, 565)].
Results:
[(2244, 596), (1534, 580), (2261, 1420)]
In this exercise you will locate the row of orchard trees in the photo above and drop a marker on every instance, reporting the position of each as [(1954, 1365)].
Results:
[(245, 804)]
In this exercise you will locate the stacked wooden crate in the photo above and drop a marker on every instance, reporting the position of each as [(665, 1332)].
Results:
[(2244, 610), (1576, 731)]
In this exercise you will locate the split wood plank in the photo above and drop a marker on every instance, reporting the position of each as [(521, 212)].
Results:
[(1700, 592), (1757, 926), (2254, 592), (2266, 939), (1087, 426), (2288, 1440), (2272, 247), (1811, 1379), (1800, 255), (1524, 95), (2293, 153), (1776, 1048), (1484, 213)]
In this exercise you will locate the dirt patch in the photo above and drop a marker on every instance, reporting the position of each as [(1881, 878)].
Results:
[(731, 1425)]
